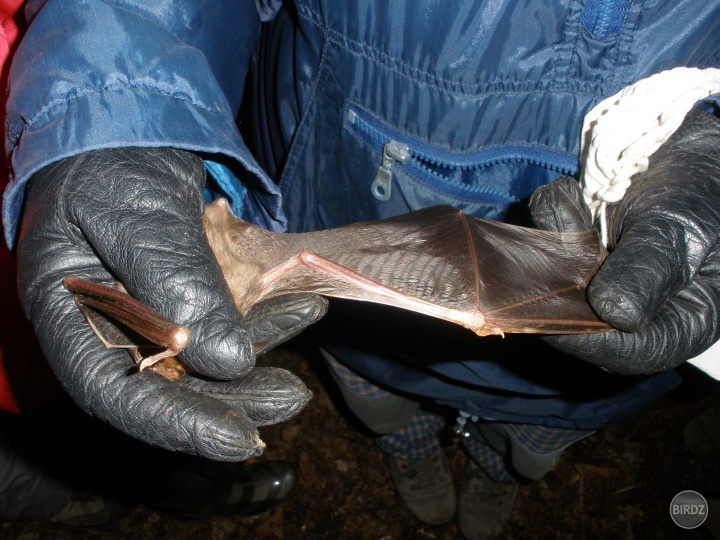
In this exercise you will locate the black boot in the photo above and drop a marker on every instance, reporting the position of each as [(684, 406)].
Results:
[(216, 489)]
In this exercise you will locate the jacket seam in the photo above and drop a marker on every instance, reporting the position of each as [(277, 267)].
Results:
[(300, 139), (624, 40), (59, 103), (399, 66)]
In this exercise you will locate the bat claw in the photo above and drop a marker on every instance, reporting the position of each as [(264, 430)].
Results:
[(150, 361)]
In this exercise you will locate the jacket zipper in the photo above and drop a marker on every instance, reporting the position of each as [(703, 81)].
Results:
[(604, 18), (393, 152), (418, 158)]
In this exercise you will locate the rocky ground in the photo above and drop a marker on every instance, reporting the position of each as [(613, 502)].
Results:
[(615, 484)]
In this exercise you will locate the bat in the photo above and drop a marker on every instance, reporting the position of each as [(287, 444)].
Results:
[(122, 322), (487, 276)]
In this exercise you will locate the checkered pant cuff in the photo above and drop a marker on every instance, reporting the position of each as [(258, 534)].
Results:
[(492, 462), (354, 382), (417, 439)]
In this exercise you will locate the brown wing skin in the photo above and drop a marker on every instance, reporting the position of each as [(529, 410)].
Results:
[(421, 255), (535, 281), (487, 276)]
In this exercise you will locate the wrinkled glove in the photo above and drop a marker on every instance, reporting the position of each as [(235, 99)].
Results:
[(135, 216), (660, 284)]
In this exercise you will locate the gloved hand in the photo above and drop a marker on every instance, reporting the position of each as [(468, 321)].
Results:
[(135, 215), (660, 284)]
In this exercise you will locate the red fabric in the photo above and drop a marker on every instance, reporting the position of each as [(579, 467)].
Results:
[(24, 376)]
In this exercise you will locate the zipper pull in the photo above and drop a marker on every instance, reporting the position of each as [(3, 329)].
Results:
[(382, 184)]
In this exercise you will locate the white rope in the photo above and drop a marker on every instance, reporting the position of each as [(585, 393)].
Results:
[(622, 132)]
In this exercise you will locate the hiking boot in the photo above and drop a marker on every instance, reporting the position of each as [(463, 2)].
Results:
[(426, 486), (484, 505)]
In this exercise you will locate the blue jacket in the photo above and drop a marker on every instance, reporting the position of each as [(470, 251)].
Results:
[(475, 104)]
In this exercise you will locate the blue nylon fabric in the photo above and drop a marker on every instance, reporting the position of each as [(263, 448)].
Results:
[(268, 8), (463, 82), (228, 186), (530, 388), (603, 18), (470, 80), (124, 73), (516, 378)]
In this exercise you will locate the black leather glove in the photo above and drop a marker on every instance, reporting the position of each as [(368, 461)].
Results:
[(135, 215), (660, 284)]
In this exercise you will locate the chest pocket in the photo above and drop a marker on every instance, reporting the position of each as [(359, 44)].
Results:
[(379, 138), (407, 173)]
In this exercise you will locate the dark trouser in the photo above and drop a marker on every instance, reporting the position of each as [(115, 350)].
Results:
[(408, 431)]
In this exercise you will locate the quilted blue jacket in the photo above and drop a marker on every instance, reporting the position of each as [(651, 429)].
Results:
[(489, 96), (357, 110)]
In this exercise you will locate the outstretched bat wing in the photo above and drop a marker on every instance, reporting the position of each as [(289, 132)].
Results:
[(487, 276)]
